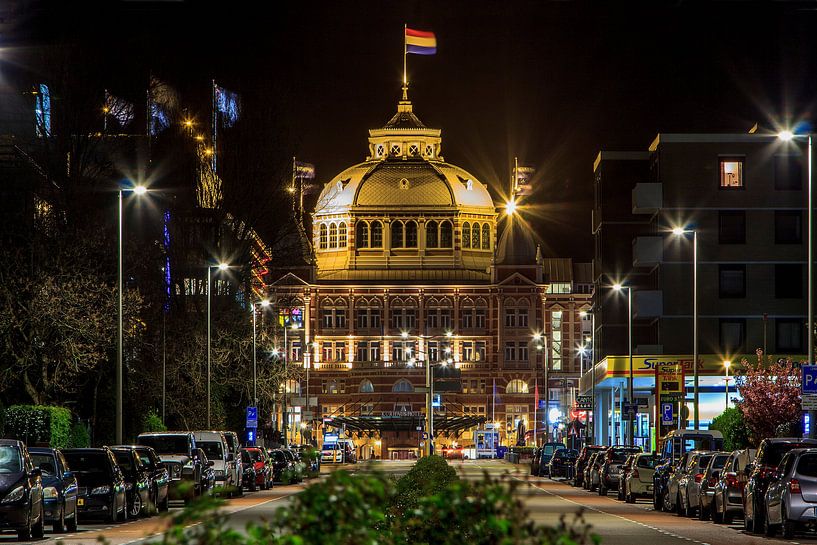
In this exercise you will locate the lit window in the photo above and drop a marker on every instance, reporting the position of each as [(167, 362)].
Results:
[(377, 234), (366, 386), (486, 237), (466, 235), (323, 236), (342, 235), (431, 235), (475, 236), (517, 386), (731, 170), (333, 235), (362, 234)]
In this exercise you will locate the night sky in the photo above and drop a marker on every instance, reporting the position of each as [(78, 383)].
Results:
[(550, 82)]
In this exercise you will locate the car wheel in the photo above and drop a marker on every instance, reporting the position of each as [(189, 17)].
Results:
[(124, 515), (657, 499), (629, 497), (136, 506), (602, 489), (71, 524), (728, 518), (38, 530), (24, 534), (748, 525), (58, 526), (788, 526)]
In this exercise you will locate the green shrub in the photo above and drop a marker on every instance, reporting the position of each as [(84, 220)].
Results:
[(80, 437), (428, 476), (39, 424), (153, 422), (735, 432)]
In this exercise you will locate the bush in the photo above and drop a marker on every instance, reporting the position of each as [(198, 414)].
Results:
[(80, 437), (428, 476), (153, 422), (733, 427), (39, 424)]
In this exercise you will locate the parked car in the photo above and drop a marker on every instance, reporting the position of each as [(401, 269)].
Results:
[(215, 446), (674, 445), (280, 464), (760, 473), (728, 498), (248, 475), (297, 467), (535, 461), (667, 478), (234, 445), (177, 450), (610, 465), (159, 477), (709, 480), (101, 493), (562, 463), (137, 480), (547, 453), (581, 462), (314, 463), (689, 482), (624, 470), (59, 488), (594, 470), (791, 497), (340, 452), (638, 482), (208, 474), (263, 467), (21, 490)]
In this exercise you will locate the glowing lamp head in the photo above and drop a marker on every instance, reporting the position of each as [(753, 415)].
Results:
[(404, 334), (727, 364), (678, 231), (223, 266), (617, 287), (449, 334), (265, 303), (294, 325), (582, 313), (140, 190), (785, 136), (537, 337), (510, 207)]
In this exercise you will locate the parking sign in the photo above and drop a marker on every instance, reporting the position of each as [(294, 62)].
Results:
[(252, 417), (666, 414), (809, 379)]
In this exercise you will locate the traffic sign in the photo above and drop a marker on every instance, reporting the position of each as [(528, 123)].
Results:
[(425, 435), (437, 401), (809, 379), (252, 417), (667, 416), (584, 402)]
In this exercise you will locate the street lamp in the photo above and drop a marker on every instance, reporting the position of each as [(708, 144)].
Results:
[(264, 304), (679, 232), (221, 267), (510, 207), (726, 366), (619, 287), (138, 190)]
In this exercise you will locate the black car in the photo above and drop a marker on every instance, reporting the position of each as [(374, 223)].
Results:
[(159, 477), (102, 492), (137, 480), (547, 453), (248, 474), (611, 465), (562, 462), (280, 464), (581, 463), (296, 472), (59, 488), (760, 473), (21, 492), (208, 474)]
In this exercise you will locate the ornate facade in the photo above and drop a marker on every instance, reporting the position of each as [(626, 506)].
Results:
[(413, 265)]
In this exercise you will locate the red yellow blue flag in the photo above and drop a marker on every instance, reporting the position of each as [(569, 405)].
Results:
[(420, 42)]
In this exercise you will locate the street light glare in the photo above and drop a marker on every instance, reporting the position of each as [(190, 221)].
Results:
[(140, 190), (785, 136), (727, 364), (678, 231), (404, 334), (510, 207), (223, 266), (265, 303), (617, 287)]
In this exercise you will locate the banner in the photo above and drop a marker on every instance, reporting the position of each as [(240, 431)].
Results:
[(119, 109), (163, 102), (304, 170), (228, 104), (42, 110), (524, 180)]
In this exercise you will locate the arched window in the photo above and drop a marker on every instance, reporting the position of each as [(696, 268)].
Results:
[(366, 386), (446, 234), (466, 235), (486, 236), (377, 234), (395, 149), (411, 234), (431, 235), (430, 151), (379, 150), (341, 235), (414, 150), (517, 386), (361, 234), (333, 235), (397, 234), (402, 385), (323, 232), (475, 236)]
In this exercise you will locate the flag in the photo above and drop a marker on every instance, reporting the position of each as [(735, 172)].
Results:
[(420, 42), (163, 101), (119, 109), (228, 104), (536, 393), (524, 180), (42, 110), (304, 170)]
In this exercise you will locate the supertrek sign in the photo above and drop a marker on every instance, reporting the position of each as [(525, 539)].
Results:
[(619, 366)]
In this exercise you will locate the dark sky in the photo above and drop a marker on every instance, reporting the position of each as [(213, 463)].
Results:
[(551, 82)]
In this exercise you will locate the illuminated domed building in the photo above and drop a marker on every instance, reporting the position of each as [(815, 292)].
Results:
[(409, 267)]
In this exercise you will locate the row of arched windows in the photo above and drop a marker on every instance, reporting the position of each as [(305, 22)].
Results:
[(515, 386), (332, 235), (476, 236)]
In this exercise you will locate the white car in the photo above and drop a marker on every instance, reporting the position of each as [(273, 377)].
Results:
[(215, 446), (638, 483)]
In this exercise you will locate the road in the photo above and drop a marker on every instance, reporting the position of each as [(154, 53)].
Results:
[(617, 523)]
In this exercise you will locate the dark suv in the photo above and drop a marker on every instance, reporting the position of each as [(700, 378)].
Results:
[(614, 458), (760, 473), (179, 453), (581, 462)]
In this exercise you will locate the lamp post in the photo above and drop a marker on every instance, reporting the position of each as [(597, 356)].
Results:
[(726, 365), (264, 304), (619, 287), (679, 231), (138, 191), (221, 267)]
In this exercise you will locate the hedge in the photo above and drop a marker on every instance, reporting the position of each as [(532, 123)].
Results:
[(39, 425)]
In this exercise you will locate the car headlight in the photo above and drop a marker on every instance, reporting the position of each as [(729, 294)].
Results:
[(15, 495), (105, 489), (50, 493)]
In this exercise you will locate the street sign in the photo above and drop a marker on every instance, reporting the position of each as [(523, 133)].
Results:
[(584, 402), (667, 414), (437, 401), (252, 417), (808, 402), (542, 403), (809, 379), (425, 435)]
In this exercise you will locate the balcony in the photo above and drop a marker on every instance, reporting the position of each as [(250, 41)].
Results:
[(647, 251), (647, 198)]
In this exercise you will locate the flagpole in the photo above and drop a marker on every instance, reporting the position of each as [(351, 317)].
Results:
[(535, 406), (105, 114), (405, 77), (514, 177), (215, 129)]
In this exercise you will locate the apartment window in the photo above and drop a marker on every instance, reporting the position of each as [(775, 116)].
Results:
[(733, 334), (377, 234), (522, 317), (510, 317), (523, 351), (788, 227), (731, 172), (361, 234), (327, 316), (479, 346), (510, 351), (403, 318), (479, 316), (789, 335), (732, 281), (323, 235), (333, 235), (732, 227), (788, 281), (402, 350), (374, 351), (468, 351), (363, 351), (788, 173), (340, 318), (362, 318), (340, 351), (328, 351), (467, 318), (433, 351)]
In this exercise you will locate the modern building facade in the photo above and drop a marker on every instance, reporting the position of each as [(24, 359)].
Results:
[(413, 265)]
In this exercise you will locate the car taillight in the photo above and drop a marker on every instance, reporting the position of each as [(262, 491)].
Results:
[(794, 486), (635, 474), (713, 481), (731, 479), (698, 477)]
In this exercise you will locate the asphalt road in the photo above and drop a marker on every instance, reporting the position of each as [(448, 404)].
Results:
[(617, 523)]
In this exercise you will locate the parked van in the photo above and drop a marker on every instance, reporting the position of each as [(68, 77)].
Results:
[(217, 449), (343, 451)]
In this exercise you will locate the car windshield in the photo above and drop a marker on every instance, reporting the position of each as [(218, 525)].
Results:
[(279, 456), (703, 461), (550, 449), (123, 460), (255, 455), (45, 462), (232, 441), (10, 459), (621, 455), (807, 465), (647, 462), (212, 449), (88, 462), (166, 444), (720, 461)]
